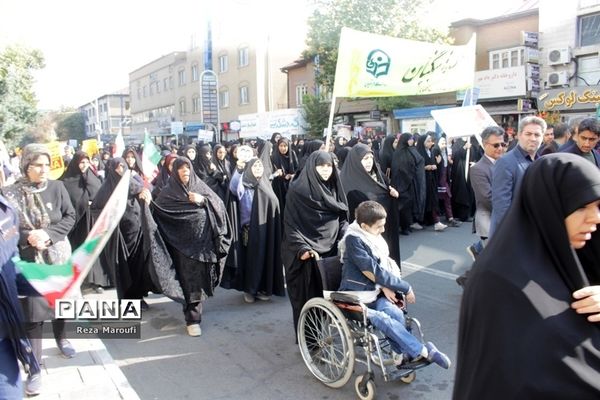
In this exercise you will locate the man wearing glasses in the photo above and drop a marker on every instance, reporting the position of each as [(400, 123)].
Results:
[(509, 170), (481, 181), (585, 141)]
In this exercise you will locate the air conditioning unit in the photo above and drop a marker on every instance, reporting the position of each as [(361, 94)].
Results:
[(558, 78), (559, 55)]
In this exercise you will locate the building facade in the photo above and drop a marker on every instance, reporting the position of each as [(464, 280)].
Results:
[(570, 48), (107, 115), (507, 70)]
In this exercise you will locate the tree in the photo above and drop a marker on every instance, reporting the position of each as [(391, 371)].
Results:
[(315, 111), (70, 124), (396, 18), (18, 105)]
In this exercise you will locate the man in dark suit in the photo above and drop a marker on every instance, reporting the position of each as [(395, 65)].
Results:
[(494, 147), (509, 170), (585, 141), (561, 136)]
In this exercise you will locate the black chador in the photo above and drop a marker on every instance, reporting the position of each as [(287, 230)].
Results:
[(360, 185), (316, 215), (519, 338)]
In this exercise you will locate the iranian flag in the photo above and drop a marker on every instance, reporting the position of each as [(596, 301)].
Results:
[(150, 158), (119, 147), (59, 281)]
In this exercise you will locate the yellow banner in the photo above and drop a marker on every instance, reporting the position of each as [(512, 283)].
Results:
[(90, 146), (371, 65), (57, 165)]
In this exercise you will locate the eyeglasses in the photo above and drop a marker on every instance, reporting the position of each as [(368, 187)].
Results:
[(496, 145)]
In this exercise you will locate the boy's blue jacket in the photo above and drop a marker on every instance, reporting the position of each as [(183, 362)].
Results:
[(357, 258)]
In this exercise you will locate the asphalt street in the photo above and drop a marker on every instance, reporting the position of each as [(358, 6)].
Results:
[(247, 351)]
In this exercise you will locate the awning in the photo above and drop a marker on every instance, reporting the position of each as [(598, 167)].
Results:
[(417, 112)]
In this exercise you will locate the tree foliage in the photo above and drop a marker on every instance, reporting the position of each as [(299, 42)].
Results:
[(398, 18), (18, 105), (315, 111), (70, 124), (61, 125)]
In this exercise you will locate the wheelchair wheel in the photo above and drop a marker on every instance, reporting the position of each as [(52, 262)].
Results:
[(366, 392), (325, 342), (409, 378)]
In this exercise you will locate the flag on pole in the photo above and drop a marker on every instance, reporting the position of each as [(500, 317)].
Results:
[(119, 145), (150, 158), (371, 65), (64, 280)]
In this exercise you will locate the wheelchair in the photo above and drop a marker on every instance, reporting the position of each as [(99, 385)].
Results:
[(334, 333)]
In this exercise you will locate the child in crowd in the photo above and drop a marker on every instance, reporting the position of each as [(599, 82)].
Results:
[(368, 267)]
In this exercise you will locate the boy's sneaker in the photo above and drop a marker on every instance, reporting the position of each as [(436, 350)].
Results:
[(249, 297), (439, 227), (436, 356)]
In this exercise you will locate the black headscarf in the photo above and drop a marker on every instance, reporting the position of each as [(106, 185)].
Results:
[(386, 153), (314, 207), (82, 187), (287, 162), (138, 162), (518, 336), (309, 148), (360, 186), (264, 150), (206, 235), (112, 180)]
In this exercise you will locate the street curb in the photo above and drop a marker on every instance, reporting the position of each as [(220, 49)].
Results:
[(101, 356)]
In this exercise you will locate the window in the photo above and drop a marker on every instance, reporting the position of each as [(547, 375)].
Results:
[(224, 98), (588, 70), (195, 72), (244, 99), (301, 90), (589, 29), (181, 106), (495, 61), (166, 84), (181, 76), (157, 87), (151, 88), (196, 105), (170, 82), (507, 58), (243, 57), (144, 90), (223, 63)]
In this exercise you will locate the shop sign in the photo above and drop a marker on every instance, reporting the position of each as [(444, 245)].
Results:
[(577, 98)]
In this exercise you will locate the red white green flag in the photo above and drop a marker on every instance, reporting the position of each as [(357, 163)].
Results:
[(150, 158), (57, 281)]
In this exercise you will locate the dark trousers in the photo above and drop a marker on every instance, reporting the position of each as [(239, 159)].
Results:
[(193, 313), (34, 332)]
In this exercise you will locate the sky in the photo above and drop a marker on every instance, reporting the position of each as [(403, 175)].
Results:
[(91, 47)]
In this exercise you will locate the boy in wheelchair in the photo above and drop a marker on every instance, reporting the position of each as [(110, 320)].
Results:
[(368, 267)]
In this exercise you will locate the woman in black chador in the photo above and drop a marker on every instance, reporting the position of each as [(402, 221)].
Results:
[(123, 258), (362, 180), (405, 179), (284, 159), (522, 335), (199, 249), (259, 273), (316, 216), (82, 185)]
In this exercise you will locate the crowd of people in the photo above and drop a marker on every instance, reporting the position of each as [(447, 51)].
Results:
[(255, 217)]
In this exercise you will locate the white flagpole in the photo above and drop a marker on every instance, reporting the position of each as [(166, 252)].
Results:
[(330, 123)]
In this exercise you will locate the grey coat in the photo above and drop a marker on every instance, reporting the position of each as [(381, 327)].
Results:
[(481, 182)]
